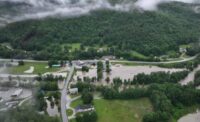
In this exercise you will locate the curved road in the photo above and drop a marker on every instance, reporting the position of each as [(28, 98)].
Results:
[(64, 94), (162, 62), (120, 61)]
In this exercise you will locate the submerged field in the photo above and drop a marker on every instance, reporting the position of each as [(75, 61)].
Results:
[(120, 110)]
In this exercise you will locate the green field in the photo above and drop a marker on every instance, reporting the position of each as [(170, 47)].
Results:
[(75, 103), (39, 67), (120, 110), (138, 55)]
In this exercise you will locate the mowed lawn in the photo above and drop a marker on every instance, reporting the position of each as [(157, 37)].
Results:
[(120, 110), (39, 67)]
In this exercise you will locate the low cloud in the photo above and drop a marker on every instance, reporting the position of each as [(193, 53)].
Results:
[(36, 9), (151, 5)]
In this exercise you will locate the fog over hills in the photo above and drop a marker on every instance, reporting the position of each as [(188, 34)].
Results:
[(17, 10)]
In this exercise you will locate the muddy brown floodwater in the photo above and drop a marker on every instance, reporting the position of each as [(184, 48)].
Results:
[(190, 77), (125, 72), (193, 117), (52, 111)]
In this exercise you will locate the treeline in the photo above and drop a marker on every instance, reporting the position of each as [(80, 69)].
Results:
[(154, 77), (149, 33), (100, 69), (112, 93), (167, 99), (159, 77)]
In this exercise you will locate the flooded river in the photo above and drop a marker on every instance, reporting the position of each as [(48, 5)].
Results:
[(193, 117)]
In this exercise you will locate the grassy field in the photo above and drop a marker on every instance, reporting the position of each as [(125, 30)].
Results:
[(75, 103), (39, 67), (120, 110), (138, 55)]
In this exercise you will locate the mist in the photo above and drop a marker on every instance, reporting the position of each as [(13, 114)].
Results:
[(151, 5), (18, 10)]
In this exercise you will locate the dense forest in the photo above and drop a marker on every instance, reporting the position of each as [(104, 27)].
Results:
[(148, 33)]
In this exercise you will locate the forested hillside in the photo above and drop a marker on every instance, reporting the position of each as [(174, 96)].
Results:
[(149, 33)]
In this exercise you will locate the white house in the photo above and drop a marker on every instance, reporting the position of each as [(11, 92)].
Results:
[(182, 50), (73, 90)]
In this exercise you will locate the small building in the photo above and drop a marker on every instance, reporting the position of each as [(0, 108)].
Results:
[(17, 93), (84, 108), (73, 91), (56, 65), (108, 57), (182, 50)]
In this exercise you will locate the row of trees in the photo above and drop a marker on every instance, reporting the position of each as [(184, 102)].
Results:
[(112, 93), (99, 70), (154, 77), (108, 67), (49, 78), (159, 77)]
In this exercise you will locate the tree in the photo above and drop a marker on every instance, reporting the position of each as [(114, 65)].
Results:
[(107, 79), (85, 69), (108, 67), (87, 97), (99, 70), (20, 63), (52, 62)]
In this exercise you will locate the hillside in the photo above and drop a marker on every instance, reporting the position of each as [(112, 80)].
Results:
[(150, 33)]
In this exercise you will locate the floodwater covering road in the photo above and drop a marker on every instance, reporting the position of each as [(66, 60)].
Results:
[(190, 77), (122, 61), (124, 72), (193, 117)]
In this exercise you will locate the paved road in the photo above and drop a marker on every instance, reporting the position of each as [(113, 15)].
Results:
[(125, 61), (162, 62), (64, 94)]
